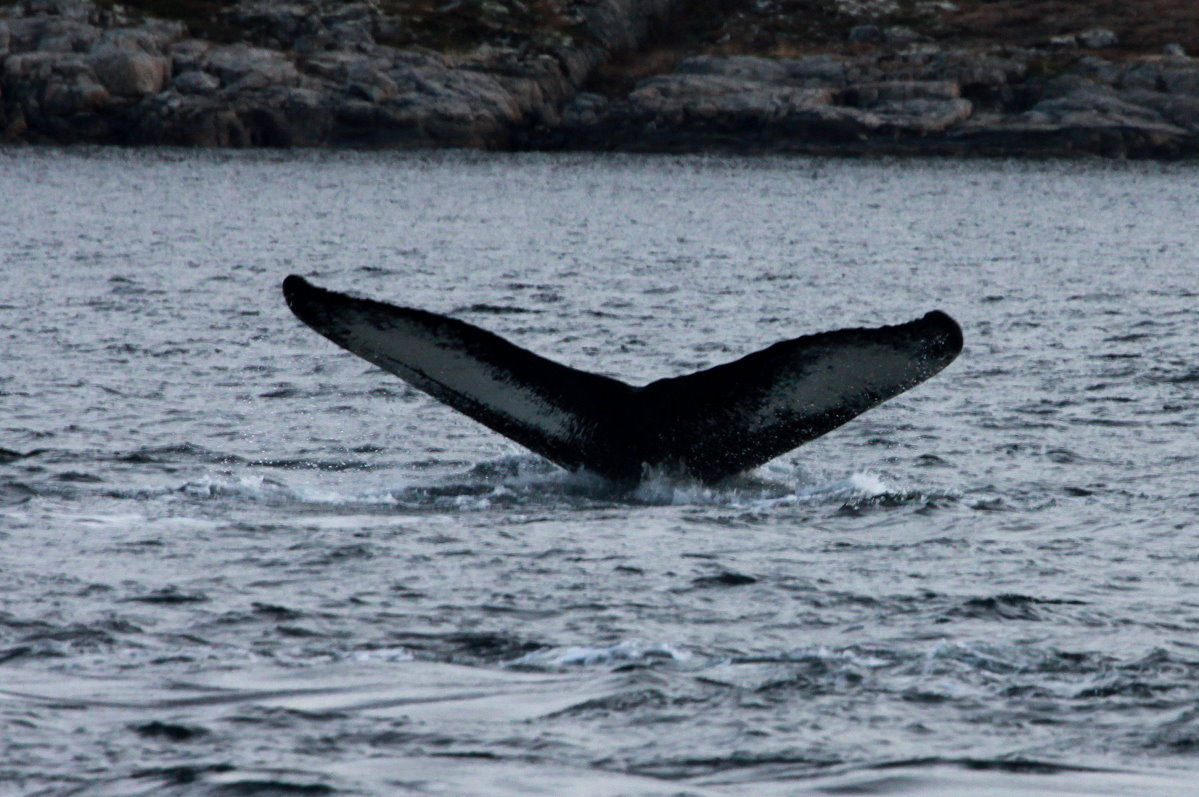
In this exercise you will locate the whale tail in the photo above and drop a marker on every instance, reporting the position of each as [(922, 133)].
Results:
[(710, 425)]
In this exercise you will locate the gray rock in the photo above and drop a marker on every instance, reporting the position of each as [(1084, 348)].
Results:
[(284, 117), (1145, 75), (129, 72), (154, 39), (335, 66), (1096, 101), (248, 67), (533, 95), (77, 10), (922, 115), (1101, 124), (279, 117), (366, 76), (673, 112), (1066, 41), (1097, 38), (276, 24), (189, 54), (869, 94), (1181, 80), (974, 69), (1073, 83), (164, 32), (917, 54), (1022, 136), (1181, 110), (1174, 48), (370, 83), (72, 94), (819, 71), (67, 36), (356, 114), (672, 99), (195, 81), (818, 124), (621, 25), (585, 110), (24, 33), (304, 118), (44, 85), (867, 34), (410, 59), (744, 67), (348, 12), (352, 35), (188, 120), (901, 35), (41, 66), (1098, 70)]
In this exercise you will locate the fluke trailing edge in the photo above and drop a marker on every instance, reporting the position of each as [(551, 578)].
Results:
[(710, 424)]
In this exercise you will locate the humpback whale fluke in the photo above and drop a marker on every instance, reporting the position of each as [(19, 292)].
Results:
[(710, 424)]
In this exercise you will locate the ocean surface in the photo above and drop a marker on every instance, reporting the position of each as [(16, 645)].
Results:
[(237, 560)]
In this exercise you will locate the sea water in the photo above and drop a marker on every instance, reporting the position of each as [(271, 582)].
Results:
[(235, 559)]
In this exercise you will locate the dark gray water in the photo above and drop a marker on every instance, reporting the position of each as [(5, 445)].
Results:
[(236, 560)]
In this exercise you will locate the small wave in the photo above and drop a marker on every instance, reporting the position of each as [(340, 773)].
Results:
[(170, 731), (462, 647), (619, 703), (947, 656), (40, 640), (227, 781), (12, 493), (8, 455), (169, 596), (725, 578), (1186, 377), (388, 655), (78, 477), (1178, 735), (857, 486), (495, 309), (1009, 606), (622, 653), (180, 452), (773, 486), (333, 466), (246, 487)]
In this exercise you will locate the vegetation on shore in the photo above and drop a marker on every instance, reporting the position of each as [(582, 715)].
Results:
[(738, 27), (448, 26), (787, 27)]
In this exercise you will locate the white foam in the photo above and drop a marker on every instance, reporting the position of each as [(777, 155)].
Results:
[(396, 654), (856, 486), (255, 487), (773, 488), (629, 651), (525, 480), (837, 655)]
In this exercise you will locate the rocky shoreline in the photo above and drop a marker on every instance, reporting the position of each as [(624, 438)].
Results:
[(347, 74)]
